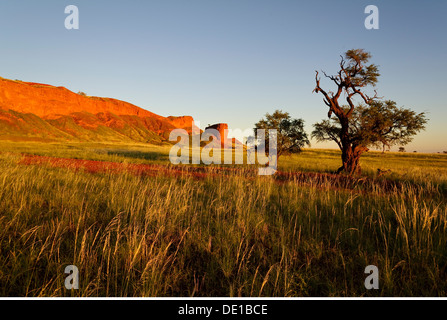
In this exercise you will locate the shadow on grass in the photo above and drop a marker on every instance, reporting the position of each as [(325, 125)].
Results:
[(146, 155)]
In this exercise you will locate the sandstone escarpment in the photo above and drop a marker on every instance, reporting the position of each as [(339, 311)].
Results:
[(63, 113), (222, 128)]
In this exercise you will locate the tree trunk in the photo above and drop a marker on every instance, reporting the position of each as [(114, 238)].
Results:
[(350, 152), (350, 157)]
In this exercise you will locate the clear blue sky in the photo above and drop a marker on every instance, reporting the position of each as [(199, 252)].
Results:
[(230, 60)]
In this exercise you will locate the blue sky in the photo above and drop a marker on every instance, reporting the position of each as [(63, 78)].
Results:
[(230, 61)]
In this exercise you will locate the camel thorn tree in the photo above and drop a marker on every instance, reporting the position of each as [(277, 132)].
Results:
[(358, 126)]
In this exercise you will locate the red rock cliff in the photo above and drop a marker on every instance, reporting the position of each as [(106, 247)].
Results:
[(222, 128), (50, 102)]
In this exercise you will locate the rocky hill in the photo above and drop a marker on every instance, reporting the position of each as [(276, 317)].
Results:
[(37, 111)]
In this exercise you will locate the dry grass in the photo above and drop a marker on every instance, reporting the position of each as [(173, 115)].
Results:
[(223, 235)]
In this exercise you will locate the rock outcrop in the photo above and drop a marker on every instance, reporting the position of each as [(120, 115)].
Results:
[(185, 122), (36, 110), (222, 128)]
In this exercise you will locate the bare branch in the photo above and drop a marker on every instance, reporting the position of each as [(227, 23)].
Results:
[(333, 78), (351, 104), (331, 102)]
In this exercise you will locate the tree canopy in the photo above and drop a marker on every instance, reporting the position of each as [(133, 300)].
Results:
[(366, 121), (379, 123), (291, 137)]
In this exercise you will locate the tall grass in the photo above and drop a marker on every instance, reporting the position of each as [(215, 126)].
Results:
[(221, 236)]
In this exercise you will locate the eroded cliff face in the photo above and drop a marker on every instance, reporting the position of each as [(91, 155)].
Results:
[(46, 100), (185, 122), (222, 128), (61, 112)]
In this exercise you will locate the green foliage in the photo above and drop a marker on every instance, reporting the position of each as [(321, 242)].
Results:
[(353, 76), (356, 71), (376, 124), (291, 137)]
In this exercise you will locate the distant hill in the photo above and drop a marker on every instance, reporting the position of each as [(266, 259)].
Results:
[(34, 111)]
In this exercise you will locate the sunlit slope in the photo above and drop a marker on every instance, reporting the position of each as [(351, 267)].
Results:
[(38, 111)]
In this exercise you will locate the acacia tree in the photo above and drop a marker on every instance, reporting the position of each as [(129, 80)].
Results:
[(291, 137), (380, 123), (354, 76)]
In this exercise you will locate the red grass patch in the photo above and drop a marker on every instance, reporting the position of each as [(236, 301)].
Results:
[(319, 180), (94, 166)]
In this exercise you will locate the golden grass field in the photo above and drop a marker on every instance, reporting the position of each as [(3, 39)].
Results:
[(218, 232)]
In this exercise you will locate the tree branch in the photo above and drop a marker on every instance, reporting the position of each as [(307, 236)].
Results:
[(331, 102)]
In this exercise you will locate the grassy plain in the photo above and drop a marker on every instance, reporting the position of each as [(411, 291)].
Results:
[(235, 234)]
